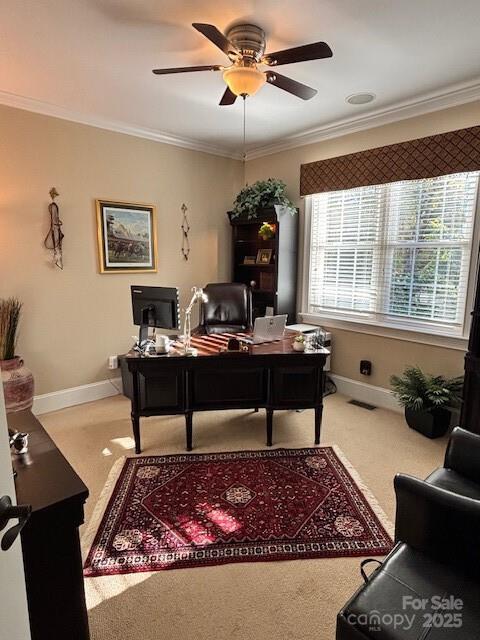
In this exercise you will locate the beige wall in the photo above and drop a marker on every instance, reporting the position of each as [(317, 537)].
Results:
[(73, 319), (387, 355)]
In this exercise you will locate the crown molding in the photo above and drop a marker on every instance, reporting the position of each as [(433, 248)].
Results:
[(49, 109), (452, 97)]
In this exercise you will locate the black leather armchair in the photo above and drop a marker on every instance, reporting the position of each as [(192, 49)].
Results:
[(229, 308), (437, 555), (443, 525), (461, 470)]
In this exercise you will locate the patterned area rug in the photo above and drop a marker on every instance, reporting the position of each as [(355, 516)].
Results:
[(170, 512)]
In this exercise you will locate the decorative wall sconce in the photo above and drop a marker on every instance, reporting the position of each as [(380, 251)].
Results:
[(185, 227), (53, 239)]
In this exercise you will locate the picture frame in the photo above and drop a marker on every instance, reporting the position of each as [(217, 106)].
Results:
[(264, 256), (127, 237), (249, 260)]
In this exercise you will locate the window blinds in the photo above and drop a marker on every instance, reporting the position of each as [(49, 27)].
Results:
[(397, 252)]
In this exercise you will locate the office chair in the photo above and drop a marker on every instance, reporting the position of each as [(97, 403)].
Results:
[(228, 310)]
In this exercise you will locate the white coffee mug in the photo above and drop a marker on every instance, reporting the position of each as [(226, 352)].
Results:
[(162, 343)]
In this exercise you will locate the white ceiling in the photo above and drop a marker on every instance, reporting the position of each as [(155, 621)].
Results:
[(91, 60)]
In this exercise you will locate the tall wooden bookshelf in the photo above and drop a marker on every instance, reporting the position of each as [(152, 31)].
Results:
[(470, 414), (273, 284)]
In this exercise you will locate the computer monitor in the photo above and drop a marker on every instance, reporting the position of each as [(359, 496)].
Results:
[(155, 307)]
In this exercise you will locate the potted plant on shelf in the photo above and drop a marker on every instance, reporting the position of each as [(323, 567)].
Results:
[(17, 380), (427, 400), (260, 195), (267, 231)]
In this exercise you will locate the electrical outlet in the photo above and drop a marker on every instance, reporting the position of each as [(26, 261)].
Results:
[(113, 362), (366, 367)]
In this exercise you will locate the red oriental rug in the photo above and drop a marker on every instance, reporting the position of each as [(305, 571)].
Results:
[(170, 512)]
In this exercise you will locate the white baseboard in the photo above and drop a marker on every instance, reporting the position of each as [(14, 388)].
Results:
[(76, 395), (378, 396)]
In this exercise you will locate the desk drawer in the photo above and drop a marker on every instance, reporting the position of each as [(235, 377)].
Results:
[(162, 391), (223, 387), (292, 386)]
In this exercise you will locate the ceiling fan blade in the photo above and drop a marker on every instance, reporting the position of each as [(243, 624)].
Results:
[(292, 86), (306, 52), (214, 35), (228, 98), (211, 67)]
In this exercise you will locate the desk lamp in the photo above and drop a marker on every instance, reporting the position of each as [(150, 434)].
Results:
[(198, 296)]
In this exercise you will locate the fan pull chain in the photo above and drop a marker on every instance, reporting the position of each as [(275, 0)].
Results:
[(244, 138)]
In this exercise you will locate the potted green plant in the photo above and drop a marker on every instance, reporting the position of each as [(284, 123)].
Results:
[(427, 400), (18, 384), (299, 342), (260, 195), (267, 231)]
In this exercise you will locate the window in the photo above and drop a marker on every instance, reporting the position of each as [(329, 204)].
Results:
[(396, 254)]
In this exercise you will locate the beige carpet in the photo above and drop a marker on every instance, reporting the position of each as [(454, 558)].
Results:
[(291, 600)]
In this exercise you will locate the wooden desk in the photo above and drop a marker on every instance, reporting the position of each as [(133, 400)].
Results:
[(271, 376), (50, 540)]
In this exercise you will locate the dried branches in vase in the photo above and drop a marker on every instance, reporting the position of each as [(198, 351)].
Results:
[(18, 384), (9, 318)]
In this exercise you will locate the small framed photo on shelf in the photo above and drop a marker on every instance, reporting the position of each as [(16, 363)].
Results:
[(127, 237), (264, 256), (249, 260)]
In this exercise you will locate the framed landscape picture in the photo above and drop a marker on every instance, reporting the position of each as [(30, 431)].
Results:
[(127, 237)]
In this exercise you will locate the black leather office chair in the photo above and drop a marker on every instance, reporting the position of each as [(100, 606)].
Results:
[(228, 310)]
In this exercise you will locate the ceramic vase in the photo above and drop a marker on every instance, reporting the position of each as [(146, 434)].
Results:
[(18, 384)]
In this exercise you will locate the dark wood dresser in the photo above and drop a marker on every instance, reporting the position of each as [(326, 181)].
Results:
[(50, 539), (470, 415)]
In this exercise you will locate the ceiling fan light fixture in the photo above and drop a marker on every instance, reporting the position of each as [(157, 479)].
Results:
[(244, 81)]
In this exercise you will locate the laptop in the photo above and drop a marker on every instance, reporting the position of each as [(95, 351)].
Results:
[(269, 328)]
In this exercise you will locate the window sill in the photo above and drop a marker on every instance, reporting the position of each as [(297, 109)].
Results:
[(407, 335)]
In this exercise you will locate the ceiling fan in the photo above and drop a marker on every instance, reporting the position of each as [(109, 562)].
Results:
[(244, 44)]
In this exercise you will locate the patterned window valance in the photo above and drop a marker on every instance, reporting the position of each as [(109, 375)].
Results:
[(438, 155)]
